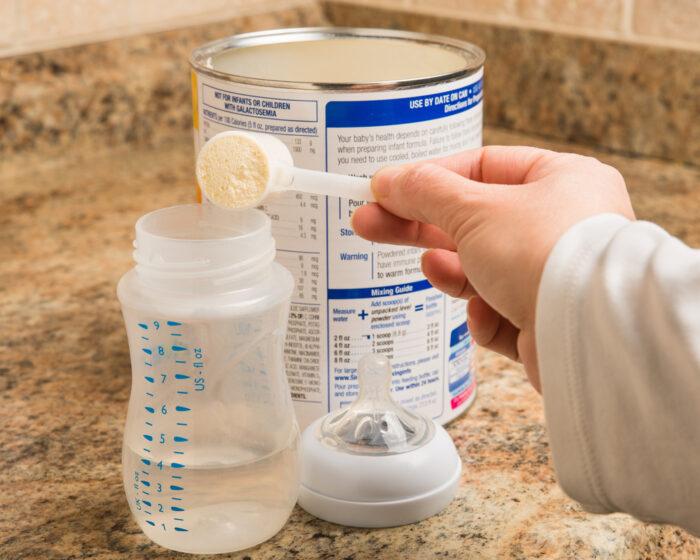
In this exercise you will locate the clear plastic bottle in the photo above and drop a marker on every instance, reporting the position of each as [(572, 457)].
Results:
[(211, 445)]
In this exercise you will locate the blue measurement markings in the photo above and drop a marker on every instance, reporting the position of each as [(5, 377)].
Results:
[(178, 486)]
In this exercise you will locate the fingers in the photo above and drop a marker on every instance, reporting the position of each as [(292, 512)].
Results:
[(444, 271), (489, 329), (427, 193), (374, 223), (442, 192), (505, 165)]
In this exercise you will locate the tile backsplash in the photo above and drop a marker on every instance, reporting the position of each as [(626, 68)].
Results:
[(113, 85), (674, 23), (39, 25)]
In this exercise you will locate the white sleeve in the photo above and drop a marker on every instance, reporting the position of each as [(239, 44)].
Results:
[(618, 343)]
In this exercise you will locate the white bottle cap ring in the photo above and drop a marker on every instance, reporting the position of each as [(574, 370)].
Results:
[(376, 464)]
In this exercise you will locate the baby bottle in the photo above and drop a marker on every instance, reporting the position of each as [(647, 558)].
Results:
[(211, 446)]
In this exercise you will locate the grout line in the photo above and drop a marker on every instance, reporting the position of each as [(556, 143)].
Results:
[(627, 17)]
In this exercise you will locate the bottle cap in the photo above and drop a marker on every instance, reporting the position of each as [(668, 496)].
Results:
[(375, 463)]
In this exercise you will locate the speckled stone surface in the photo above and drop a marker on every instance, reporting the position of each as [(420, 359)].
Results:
[(65, 239), (135, 89), (627, 98)]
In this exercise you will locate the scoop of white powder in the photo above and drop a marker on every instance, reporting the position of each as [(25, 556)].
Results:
[(233, 171), (238, 169)]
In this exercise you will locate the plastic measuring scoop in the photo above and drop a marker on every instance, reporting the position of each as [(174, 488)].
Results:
[(376, 463), (240, 169)]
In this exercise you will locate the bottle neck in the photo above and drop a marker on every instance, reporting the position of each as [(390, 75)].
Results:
[(202, 249), (206, 280)]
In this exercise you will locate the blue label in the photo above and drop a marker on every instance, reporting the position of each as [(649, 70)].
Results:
[(456, 387), (384, 291), (385, 112), (458, 334), (459, 344)]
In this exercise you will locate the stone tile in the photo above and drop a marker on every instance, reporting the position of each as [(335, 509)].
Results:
[(627, 98), (595, 14), (8, 22), (48, 21), (470, 7), (133, 90), (679, 19), (159, 11)]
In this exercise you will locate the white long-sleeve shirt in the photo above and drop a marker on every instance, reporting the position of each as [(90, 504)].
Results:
[(618, 342)]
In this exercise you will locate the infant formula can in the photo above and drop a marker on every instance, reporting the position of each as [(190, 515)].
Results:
[(349, 101)]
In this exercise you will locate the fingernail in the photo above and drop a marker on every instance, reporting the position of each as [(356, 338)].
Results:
[(383, 180)]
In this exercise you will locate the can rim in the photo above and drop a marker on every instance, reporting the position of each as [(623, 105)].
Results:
[(474, 56)]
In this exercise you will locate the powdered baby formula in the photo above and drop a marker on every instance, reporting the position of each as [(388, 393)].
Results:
[(233, 172)]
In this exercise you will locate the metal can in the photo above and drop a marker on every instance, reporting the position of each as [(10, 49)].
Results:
[(351, 100)]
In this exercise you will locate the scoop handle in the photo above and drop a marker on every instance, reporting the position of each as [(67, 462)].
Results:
[(332, 184)]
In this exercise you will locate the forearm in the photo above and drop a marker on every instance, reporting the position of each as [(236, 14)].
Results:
[(618, 339)]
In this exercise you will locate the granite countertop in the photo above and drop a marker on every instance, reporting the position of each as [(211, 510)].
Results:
[(65, 239)]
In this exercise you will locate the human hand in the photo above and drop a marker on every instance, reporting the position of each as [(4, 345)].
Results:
[(490, 218)]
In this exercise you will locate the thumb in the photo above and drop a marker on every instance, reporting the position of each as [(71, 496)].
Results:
[(427, 193)]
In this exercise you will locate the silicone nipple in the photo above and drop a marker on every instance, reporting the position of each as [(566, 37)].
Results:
[(376, 464), (374, 424)]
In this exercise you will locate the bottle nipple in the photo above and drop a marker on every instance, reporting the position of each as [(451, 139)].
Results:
[(375, 424)]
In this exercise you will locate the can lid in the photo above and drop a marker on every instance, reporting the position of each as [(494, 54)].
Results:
[(377, 464), (385, 59)]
